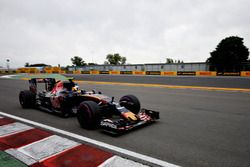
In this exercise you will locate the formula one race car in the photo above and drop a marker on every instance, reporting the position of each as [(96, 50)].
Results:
[(93, 109)]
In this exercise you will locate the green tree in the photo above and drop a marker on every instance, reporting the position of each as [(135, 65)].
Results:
[(229, 54), (169, 61), (92, 64), (115, 59), (123, 60), (77, 61), (27, 64)]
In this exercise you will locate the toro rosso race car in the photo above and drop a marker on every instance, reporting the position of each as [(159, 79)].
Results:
[(93, 109)]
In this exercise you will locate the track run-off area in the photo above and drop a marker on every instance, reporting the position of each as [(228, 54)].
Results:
[(204, 121)]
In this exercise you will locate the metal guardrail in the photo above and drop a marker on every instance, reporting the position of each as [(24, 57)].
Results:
[(162, 73)]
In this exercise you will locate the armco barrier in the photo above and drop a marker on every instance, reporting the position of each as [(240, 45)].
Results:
[(56, 69), (62, 72), (138, 72), (18, 70), (69, 72), (49, 71), (23, 70), (114, 72), (33, 70), (7, 72), (94, 72), (205, 73), (126, 72), (103, 72), (85, 72), (245, 73), (228, 73), (77, 72), (153, 73), (186, 73), (169, 73)]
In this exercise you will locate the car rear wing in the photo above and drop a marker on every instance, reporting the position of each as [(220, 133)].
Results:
[(49, 83)]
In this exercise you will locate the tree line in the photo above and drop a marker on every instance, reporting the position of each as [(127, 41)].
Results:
[(114, 59), (229, 56)]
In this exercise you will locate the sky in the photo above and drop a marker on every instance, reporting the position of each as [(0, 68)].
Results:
[(143, 31)]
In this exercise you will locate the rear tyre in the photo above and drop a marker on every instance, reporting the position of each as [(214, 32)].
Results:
[(27, 99), (131, 102), (88, 115)]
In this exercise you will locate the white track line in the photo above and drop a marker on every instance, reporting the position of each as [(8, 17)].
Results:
[(8, 76), (120, 162), (95, 142)]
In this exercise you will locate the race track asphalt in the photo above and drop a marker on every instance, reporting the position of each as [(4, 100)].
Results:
[(220, 81), (196, 128)]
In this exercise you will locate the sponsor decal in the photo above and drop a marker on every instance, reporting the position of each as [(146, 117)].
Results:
[(153, 73), (85, 72), (104, 72), (186, 73), (228, 73), (126, 72), (108, 124)]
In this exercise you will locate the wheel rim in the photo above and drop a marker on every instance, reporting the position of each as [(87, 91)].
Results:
[(128, 100), (134, 106)]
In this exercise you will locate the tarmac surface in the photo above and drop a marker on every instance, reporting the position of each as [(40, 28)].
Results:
[(219, 81), (196, 127)]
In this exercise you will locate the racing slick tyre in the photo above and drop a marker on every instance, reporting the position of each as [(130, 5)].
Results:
[(27, 99), (130, 102), (88, 114)]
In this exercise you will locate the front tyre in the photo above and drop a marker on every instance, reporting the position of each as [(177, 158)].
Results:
[(27, 99), (88, 114), (131, 103)]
